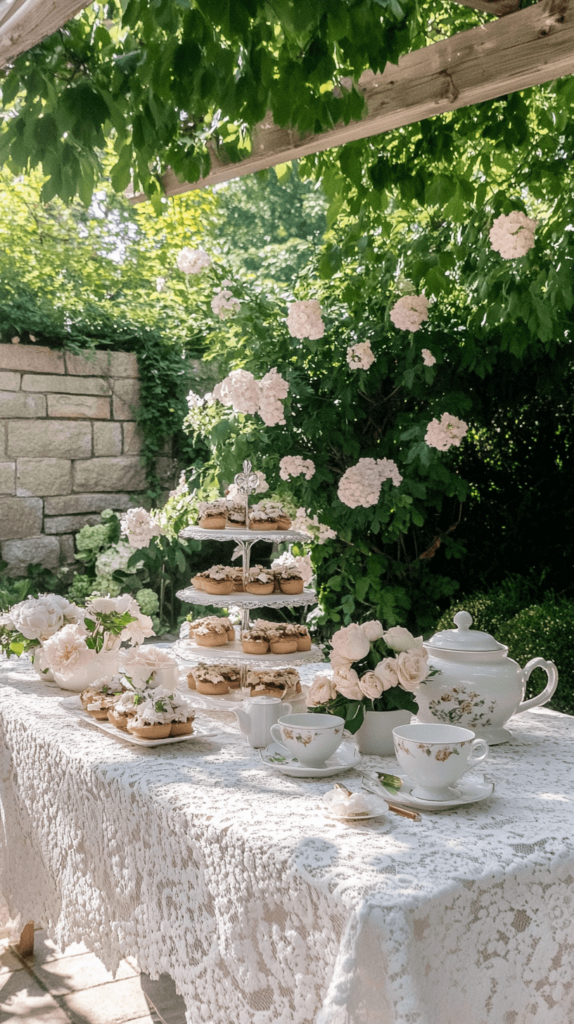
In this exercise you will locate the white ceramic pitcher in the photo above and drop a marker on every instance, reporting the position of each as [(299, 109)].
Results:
[(258, 715), (477, 685)]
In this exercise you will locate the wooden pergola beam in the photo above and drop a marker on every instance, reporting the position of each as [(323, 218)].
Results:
[(497, 7), (24, 23), (527, 48)]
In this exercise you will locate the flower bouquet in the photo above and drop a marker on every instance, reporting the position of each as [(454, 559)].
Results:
[(379, 682)]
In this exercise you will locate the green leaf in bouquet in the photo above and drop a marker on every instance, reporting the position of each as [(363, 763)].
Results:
[(17, 647)]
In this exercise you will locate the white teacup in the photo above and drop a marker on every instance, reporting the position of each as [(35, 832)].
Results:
[(435, 756), (311, 738)]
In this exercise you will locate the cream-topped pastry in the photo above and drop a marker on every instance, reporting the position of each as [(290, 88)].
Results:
[(268, 515)]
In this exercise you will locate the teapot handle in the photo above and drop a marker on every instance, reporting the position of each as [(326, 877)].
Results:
[(542, 698)]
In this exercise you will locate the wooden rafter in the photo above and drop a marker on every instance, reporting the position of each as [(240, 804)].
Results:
[(497, 7), (527, 48), (23, 23)]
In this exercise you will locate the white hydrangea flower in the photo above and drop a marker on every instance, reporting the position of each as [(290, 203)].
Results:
[(409, 312), (512, 235), (318, 531), (294, 465), (224, 304), (240, 390), (446, 432), (273, 388), (360, 356), (194, 401), (116, 557), (300, 562), (428, 358), (304, 320), (193, 261), (139, 527), (160, 284), (361, 485)]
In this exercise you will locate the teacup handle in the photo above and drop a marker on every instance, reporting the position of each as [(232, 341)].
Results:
[(276, 733), (475, 745)]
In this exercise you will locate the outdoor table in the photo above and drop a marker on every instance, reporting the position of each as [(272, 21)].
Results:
[(207, 866)]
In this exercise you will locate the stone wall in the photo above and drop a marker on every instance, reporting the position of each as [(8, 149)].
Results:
[(69, 448)]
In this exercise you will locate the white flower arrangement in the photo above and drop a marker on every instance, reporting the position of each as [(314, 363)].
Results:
[(142, 666), (29, 623), (446, 432), (193, 261), (139, 527), (409, 312), (294, 465), (361, 484), (428, 358), (360, 356), (304, 320), (378, 688), (512, 235)]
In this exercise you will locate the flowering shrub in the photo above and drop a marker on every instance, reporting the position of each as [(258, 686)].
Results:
[(409, 312), (446, 432), (361, 484), (294, 465), (304, 320), (512, 235), (247, 395), (224, 304), (360, 356), (193, 261), (428, 358), (139, 527)]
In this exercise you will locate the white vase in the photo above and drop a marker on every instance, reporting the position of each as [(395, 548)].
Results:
[(104, 666), (40, 664), (376, 733)]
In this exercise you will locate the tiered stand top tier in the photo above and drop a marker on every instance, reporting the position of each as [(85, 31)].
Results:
[(233, 652)]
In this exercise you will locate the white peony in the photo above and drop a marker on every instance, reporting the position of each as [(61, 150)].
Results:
[(38, 618), (446, 432), (386, 673), (193, 261), (409, 312), (135, 632), (139, 527), (360, 356), (351, 642), (370, 685), (224, 304), (512, 235), (412, 668), (346, 682), (361, 485), (321, 690), (72, 612), (400, 639), (294, 465), (141, 663), (304, 320), (67, 651), (428, 358), (373, 630)]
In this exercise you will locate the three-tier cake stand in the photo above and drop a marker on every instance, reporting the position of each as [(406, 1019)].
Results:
[(245, 538)]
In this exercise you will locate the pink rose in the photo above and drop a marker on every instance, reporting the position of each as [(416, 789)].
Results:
[(412, 668), (386, 673), (371, 685), (372, 629), (351, 642)]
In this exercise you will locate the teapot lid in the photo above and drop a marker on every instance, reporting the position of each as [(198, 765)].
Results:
[(463, 638)]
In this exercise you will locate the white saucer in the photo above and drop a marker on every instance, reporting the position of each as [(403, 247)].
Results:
[(471, 792), (377, 807), (277, 756)]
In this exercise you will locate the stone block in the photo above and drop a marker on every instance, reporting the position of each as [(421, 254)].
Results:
[(20, 517), (44, 476), (133, 438), (108, 439), (77, 407), (9, 381), (67, 549), (33, 358), (65, 524), (7, 478), (94, 363), (64, 384), (126, 398), (123, 364), (16, 404), (70, 504), (2, 438), (124, 473), (20, 553), (50, 438)]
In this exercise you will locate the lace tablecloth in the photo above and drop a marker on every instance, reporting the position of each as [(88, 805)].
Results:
[(207, 866)]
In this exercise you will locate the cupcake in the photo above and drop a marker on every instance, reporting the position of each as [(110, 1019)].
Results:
[(290, 580), (216, 580), (303, 639), (236, 574), (254, 641), (268, 515), (235, 513), (213, 514), (259, 580)]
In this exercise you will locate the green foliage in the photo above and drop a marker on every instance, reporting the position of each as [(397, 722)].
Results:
[(37, 580)]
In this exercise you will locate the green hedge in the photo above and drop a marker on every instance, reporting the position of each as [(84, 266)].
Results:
[(543, 630)]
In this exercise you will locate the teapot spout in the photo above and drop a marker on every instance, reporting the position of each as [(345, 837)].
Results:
[(244, 721)]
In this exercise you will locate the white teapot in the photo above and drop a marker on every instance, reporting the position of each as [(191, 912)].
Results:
[(258, 715), (477, 685)]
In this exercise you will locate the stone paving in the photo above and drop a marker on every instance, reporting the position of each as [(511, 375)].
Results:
[(74, 987)]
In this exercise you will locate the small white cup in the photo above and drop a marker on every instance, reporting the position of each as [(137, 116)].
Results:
[(311, 738), (435, 756)]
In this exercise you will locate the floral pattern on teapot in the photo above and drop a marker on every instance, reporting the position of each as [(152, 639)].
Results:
[(451, 707)]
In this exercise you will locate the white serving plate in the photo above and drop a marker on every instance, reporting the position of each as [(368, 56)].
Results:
[(229, 701), (191, 595), (241, 534), (73, 706)]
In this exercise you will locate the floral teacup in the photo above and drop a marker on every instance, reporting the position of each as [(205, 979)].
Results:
[(435, 756), (310, 738)]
